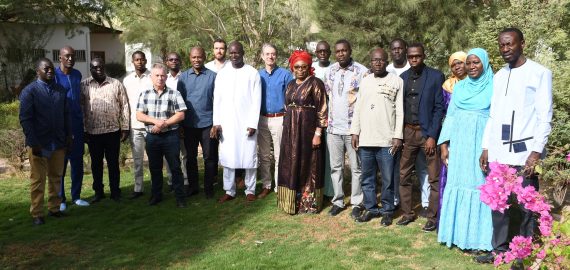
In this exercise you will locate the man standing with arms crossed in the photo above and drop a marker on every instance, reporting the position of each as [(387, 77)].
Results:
[(274, 80), (517, 131), (70, 79), (135, 83), (237, 102)]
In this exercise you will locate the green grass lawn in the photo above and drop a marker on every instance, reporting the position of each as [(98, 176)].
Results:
[(207, 235)]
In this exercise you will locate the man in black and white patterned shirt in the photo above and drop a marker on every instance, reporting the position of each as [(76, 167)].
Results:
[(161, 109)]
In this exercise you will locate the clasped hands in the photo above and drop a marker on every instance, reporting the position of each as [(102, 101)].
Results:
[(216, 132)]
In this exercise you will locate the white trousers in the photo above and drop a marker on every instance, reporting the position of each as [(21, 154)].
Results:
[(138, 148), (270, 130), (338, 145), (230, 184)]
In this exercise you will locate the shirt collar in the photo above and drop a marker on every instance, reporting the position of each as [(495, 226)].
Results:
[(146, 73), (350, 67), (169, 75), (106, 81)]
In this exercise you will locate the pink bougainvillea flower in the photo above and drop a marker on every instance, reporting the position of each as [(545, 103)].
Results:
[(541, 254), (568, 157)]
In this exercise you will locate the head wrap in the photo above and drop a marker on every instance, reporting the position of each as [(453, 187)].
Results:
[(450, 83), (301, 55), (475, 93)]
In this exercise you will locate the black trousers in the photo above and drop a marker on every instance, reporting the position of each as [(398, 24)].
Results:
[(501, 221), (193, 137), (106, 145)]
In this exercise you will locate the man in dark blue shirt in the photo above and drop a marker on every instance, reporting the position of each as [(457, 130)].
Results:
[(44, 118), (196, 85), (274, 80), (70, 79)]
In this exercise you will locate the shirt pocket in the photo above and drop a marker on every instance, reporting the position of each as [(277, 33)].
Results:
[(388, 92)]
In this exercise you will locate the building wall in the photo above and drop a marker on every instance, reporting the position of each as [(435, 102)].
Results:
[(110, 44)]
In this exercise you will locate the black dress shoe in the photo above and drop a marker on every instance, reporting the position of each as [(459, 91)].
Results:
[(38, 221), (154, 200), (386, 220), (190, 193), (429, 227), (116, 198), (424, 212), (57, 214), (97, 198), (405, 220), (181, 203), (367, 216), (357, 211), (485, 258), (335, 210), (135, 195)]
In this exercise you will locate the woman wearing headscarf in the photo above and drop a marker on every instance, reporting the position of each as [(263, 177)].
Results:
[(301, 161), (465, 221), (457, 66)]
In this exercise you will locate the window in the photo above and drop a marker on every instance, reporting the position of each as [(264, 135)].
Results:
[(80, 56), (55, 56), (98, 54), (19, 55)]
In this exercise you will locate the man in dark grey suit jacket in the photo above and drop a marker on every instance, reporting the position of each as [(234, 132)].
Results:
[(423, 113)]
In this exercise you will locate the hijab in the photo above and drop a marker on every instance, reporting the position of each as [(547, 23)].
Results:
[(475, 93), (450, 83)]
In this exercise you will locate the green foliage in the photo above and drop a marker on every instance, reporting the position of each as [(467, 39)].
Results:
[(115, 70), (440, 25)]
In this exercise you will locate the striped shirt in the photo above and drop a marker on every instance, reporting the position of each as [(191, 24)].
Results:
[(105, 106), (161, 106)]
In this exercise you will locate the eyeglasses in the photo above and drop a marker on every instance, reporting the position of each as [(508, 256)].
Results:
[(378, 60), (298, 67)]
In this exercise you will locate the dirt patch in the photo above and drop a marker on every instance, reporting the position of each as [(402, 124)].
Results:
[(30, 255)]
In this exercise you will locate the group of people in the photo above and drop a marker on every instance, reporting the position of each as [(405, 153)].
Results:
[(395, 118)]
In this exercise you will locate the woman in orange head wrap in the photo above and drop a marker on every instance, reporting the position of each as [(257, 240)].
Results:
[(301, 165)]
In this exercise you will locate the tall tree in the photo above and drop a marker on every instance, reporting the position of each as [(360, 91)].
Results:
[(177, 24)]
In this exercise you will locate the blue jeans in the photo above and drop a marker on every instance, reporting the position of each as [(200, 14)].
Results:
[(371, 159), (164, 145)]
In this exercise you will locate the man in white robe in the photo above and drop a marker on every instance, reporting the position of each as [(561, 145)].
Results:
[(237, 102), (517, 131)]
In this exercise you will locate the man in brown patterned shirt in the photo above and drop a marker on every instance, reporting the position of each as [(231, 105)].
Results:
[(106, 117)]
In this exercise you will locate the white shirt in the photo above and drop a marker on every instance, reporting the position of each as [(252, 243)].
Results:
[(172, 81), (213, 67), (398, 71), (520, 114), (135, 85), (320, 71), (237, 102)]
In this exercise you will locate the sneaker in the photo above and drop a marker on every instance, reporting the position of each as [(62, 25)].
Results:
[(367, 216), (335, 210), (80, 202), (62, 207), (357, 211), (386, 220)]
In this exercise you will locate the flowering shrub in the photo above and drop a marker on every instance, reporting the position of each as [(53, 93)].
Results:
[(500, 184)]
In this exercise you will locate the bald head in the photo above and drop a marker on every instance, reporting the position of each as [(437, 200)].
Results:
[(66, 59), (236, 54), (197, 58), (379, 62), (198, 50)]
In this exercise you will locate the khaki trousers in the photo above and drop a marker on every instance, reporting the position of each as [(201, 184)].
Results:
[(41, 167)]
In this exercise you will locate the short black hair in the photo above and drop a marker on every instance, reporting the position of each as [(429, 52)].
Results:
[(513, 30), (345, 42), (41, 60), (97, 59), (401, 40), (221, 40), (418, 45), (138, 52)]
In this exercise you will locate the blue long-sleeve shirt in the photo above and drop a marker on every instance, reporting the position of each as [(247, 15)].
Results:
[(44, 115), (197, 90), (72, 84), (273, 87)]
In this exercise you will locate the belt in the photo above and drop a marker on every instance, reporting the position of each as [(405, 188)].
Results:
[(414, 127), (279, 114)]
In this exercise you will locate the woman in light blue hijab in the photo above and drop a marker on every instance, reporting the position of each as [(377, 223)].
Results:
[(465, 221)]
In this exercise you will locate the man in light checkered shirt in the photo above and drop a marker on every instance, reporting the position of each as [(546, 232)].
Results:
[(161, 109)]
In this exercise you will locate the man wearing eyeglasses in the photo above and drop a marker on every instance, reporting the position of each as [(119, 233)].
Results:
[(135, 83), (173, 63), (70, 79)]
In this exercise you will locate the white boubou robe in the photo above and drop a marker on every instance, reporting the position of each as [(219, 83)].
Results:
[(237, 103), (520, 115)]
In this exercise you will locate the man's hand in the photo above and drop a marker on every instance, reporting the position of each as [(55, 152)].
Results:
[(124, 135), (355, 141), (316, 141), (396, 145), (484, 160), (37, 150), (444, 153), (530, 163), (155, 130), (430, 146), (215, 132), (250, 132), (160, 124)]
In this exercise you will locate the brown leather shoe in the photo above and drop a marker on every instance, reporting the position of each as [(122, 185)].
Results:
[(250, 197), (226, 198), (264, 193)]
